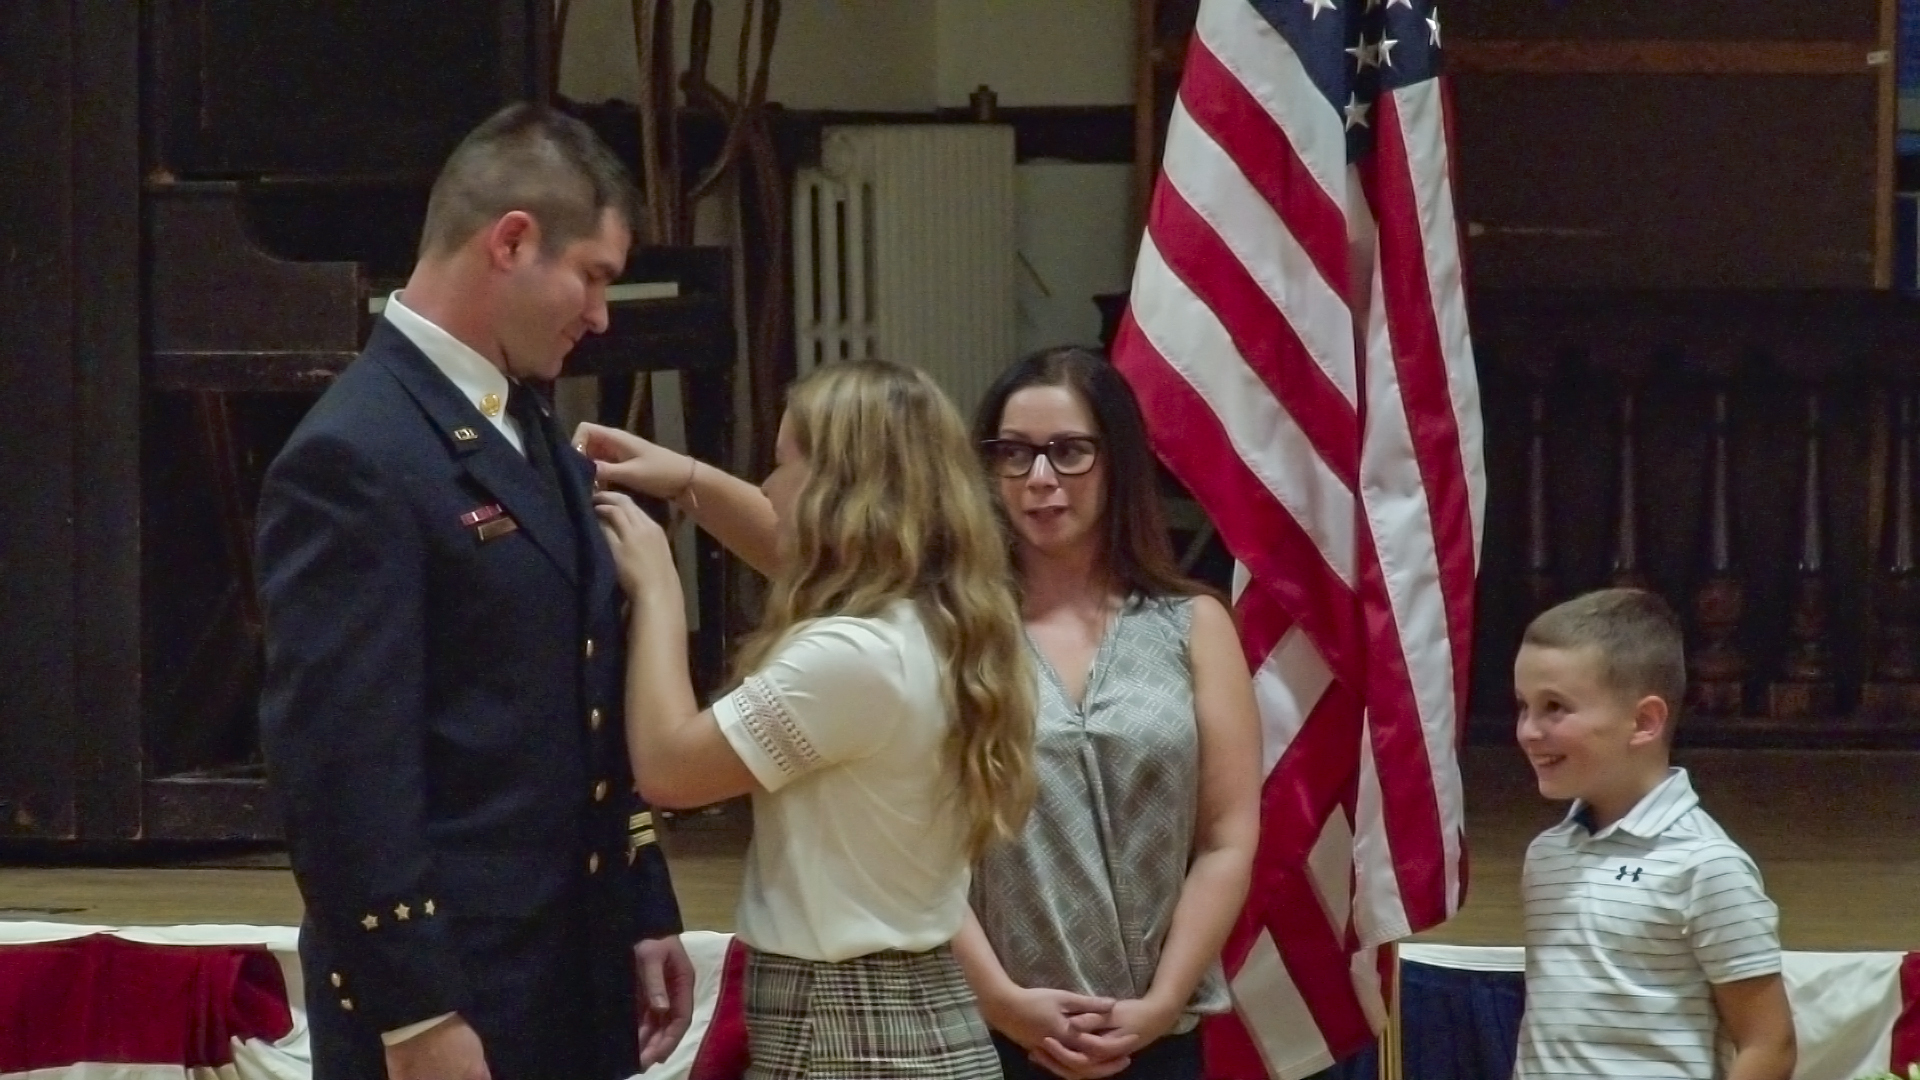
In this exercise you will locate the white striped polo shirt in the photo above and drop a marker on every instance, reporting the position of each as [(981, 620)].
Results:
[(1627, 930)]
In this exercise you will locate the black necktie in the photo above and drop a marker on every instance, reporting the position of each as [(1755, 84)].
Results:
[(523, 405)]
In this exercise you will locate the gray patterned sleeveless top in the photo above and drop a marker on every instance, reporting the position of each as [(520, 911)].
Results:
[(1083, 900)]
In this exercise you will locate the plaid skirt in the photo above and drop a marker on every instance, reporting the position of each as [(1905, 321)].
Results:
[(877, 1017)]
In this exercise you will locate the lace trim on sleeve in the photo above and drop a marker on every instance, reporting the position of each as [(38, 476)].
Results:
[(774, 729)]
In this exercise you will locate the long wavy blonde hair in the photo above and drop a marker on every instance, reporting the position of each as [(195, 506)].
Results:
[(896, 507)]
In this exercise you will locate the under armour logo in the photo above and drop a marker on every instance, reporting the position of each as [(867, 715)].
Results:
[(1625, 873)]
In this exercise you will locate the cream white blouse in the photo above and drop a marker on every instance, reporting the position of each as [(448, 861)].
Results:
[(858, 844)]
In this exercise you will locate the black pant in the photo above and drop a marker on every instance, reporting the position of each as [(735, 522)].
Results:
[(1172, 1057)]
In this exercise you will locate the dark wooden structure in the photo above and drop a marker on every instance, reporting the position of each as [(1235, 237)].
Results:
[(1749, 454), (1715, 144), (204, 197)]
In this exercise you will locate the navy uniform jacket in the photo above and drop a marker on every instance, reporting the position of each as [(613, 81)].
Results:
[(442, 722)]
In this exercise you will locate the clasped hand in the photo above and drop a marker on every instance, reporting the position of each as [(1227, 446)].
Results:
[(1078, 1037)]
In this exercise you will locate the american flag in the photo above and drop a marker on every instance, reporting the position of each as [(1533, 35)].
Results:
[(1297, 333)]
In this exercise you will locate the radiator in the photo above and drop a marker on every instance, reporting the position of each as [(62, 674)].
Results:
[(903, 249)]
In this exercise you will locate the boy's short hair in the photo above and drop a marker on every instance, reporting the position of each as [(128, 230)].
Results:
[(1636, 635)]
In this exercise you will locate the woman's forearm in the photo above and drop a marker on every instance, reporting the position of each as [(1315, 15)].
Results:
[(660, 701), (1209, 904), (982, 966), (1228, 828), (735, 513)]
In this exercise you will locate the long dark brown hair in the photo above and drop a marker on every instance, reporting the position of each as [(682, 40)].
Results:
[(1137, 554)]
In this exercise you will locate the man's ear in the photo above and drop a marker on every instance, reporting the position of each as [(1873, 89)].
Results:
[(514, 232), (1650, 719)]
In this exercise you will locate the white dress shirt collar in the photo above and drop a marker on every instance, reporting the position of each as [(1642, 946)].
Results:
[(480, 382)]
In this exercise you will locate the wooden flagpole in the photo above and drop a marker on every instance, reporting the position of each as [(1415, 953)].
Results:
[(1389, 1051)]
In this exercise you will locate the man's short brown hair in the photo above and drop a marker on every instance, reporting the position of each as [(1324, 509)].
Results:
[(1636, 635), (533, 158)]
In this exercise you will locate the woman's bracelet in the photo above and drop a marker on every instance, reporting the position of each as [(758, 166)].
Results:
[(686, 490)]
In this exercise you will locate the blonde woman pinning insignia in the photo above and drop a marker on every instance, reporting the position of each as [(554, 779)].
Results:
[(883, 724)]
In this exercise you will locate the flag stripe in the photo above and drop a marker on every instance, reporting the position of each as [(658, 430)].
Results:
[(1253, 312), (1263, 621), (1318, 964), (1421, 630), (1260, 151), (1286, 688), (1906, 1028), (1379, 907), (1253, 520), (1272, 1030), (1317, 770), (1183, 330), (1408, 811), (1426, 122), (1404, 611), (1307, 787), (1267, 69), (1433, 400)]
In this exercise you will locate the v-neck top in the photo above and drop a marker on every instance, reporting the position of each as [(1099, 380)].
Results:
[(1083, 900)]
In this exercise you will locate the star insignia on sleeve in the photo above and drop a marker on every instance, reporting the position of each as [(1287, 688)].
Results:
[(371, 922), (402, 912), (429, 908)]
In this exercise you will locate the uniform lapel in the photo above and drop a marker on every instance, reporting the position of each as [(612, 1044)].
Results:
[(505, 471), (481, 450), (596, 558)]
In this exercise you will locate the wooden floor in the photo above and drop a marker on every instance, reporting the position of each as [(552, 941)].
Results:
[(1837, 836)]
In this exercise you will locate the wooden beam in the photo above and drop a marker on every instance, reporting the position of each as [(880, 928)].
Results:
[(1146, 114), (1528, 57), (107, 283), (1886, 121)]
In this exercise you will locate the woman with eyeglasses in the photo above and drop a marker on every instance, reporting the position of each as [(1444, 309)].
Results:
[(1135, 860)]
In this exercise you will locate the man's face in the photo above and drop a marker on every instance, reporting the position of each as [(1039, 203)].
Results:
[(548, 303)]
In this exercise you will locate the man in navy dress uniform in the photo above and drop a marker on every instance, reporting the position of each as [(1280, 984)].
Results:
[(442, 711)]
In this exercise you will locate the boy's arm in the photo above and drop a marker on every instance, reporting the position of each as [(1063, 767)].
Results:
[(1734, 928), (1754, 1014)]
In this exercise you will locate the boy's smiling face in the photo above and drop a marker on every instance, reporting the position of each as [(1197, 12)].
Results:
[(1584, 739)]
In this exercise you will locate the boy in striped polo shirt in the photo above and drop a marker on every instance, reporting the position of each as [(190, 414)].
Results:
[(1649, 937)]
